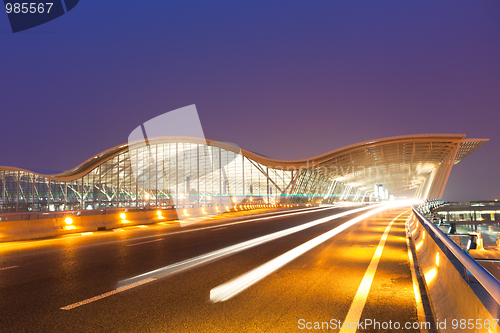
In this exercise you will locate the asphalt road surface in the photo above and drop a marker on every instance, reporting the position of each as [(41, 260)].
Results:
[(126, 280)]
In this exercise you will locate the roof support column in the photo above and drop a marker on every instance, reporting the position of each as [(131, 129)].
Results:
[(427, 185), (443, 174), (437, 180), (448, 171)]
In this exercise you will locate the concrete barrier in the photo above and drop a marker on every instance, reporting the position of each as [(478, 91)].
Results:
[(457, 299), (29, 229), (16, 227)]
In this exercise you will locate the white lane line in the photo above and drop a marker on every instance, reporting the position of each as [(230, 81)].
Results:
[(218, 229), (358, 304), (96, 298), (4, 268), (205, 258), (151, 241), (229, 289)]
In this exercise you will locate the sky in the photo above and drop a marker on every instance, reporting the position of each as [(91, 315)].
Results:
[(286, 79)]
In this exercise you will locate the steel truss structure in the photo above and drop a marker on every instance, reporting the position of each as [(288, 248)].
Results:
[(177, 171)]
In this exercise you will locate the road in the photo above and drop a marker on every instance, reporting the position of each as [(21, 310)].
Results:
[(100, 282)]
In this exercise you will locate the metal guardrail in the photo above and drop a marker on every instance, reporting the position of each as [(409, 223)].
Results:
[(488, 281)]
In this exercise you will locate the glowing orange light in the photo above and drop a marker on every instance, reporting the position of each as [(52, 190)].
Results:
[(430, 275)]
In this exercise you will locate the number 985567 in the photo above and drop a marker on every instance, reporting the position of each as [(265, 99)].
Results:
[(25, 7)]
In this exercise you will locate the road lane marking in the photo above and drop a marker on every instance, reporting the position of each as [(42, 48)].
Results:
[(208, 257), (358, 304), (218, 229), (113, 292), (151, 241), (4, 268), (231, 288)]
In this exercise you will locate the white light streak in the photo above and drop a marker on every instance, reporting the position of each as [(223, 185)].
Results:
[(186, 264), (229, 289), (208, 257)]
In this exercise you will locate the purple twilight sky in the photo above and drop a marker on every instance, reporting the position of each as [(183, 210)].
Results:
[(286, 79)]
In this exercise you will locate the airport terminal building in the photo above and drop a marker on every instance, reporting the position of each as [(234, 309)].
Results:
[(181, 171)]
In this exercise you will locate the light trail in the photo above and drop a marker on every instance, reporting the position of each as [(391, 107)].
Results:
[(256, 219), (229, 289), (17, 244), (211, 256), (208, 257)]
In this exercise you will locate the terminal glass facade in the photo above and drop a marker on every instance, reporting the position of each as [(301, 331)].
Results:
[(169, 174)]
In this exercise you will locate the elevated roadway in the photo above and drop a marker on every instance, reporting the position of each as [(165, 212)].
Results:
[(354, 268)]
